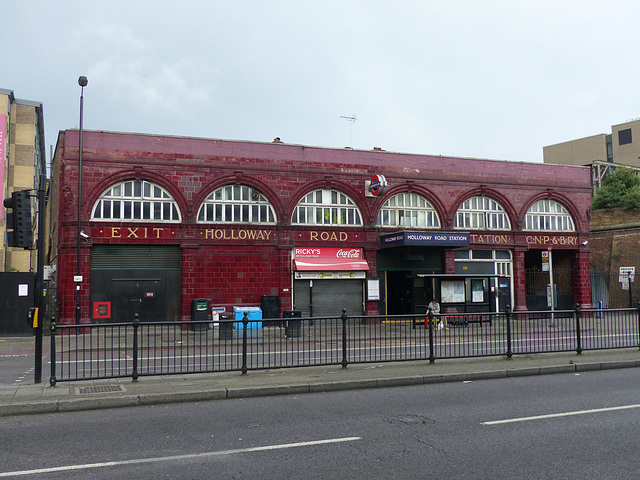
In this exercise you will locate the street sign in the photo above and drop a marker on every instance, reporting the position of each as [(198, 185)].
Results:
[(545, 260), (627, 273)]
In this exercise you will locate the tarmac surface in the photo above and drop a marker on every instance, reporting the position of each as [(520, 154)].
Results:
[(27, 397)]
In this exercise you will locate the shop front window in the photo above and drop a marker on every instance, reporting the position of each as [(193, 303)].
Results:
[(326, 207), (548, 216), (236, 204), (136, 200), (408, 210), (481, 213)]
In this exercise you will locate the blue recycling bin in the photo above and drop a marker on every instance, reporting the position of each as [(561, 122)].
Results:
[(253, 327)]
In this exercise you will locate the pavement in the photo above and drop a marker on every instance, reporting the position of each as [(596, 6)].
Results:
[(27, 397)]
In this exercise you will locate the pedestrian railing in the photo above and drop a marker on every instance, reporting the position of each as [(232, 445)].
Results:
[(139, 348)]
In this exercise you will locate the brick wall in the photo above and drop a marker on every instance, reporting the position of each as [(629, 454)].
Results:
[(615, 240)]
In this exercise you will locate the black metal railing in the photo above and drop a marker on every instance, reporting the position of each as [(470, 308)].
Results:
[(142, 348)]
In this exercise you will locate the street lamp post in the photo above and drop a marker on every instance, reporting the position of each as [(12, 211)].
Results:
[(82, 81)]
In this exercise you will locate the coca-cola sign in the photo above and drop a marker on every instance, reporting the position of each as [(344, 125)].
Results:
[(346, 253), (328, 252)]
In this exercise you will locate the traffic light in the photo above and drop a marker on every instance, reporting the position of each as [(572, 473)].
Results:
[(19, 220)]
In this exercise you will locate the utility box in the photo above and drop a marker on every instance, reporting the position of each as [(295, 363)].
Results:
[(199, 314), (215, 315), (270, 305), (253, 327)]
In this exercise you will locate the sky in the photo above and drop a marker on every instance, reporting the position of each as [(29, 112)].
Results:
[(484, 79)]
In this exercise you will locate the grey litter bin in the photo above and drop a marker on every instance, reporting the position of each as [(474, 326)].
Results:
[(225, 326), (293, 324), (199, 314)]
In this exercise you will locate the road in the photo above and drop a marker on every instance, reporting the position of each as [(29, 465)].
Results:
[(17, 361), (562, 426)]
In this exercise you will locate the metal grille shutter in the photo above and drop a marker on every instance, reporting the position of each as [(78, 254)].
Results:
[(329, 297), (136, 257)]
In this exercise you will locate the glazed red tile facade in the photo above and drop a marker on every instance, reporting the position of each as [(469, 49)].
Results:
[(160, 266)]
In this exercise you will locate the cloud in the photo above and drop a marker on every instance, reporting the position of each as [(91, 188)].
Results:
[(151, 86), (136, 72)]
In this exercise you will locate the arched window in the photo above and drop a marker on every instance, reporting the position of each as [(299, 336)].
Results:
[(136, 200), (481, 213), (408, 210), (236, 204), (326, 207), (548, 216)]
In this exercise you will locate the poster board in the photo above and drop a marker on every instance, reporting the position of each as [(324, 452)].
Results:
[(477, 291), (452, 291), (373, 289)]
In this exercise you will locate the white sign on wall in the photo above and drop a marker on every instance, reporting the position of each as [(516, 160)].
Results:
[(373, 289), (626, 274)]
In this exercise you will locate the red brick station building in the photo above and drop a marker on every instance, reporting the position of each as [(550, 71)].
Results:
[(167, 220)]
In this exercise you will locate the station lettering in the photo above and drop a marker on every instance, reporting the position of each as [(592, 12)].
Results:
[(328, 236), (223, 234), (136, 232), (489, 238), (550, 240)]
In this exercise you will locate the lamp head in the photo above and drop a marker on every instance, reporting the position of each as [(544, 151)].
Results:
[(82, 81)]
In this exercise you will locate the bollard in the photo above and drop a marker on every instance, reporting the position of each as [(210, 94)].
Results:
[(578, 334), (52, 328), (344, 337), (245, 322), (507, 311), (638, 324), (136, 324), (432, 356)]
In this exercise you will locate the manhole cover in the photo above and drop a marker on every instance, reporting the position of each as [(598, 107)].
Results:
[(100, 389)]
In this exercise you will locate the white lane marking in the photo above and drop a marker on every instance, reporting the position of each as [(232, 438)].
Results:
[(565, 414), (67, 468)]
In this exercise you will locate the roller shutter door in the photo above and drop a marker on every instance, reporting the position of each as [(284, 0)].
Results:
[(137, 279), (329, 297)]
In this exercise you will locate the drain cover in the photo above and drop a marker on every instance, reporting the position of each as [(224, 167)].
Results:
[(100, 389)]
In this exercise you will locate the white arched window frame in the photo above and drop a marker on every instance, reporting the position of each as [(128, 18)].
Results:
[(547, 215), (481, 213), (236, 204), (326, 207), (136, 201), (408, 210)]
